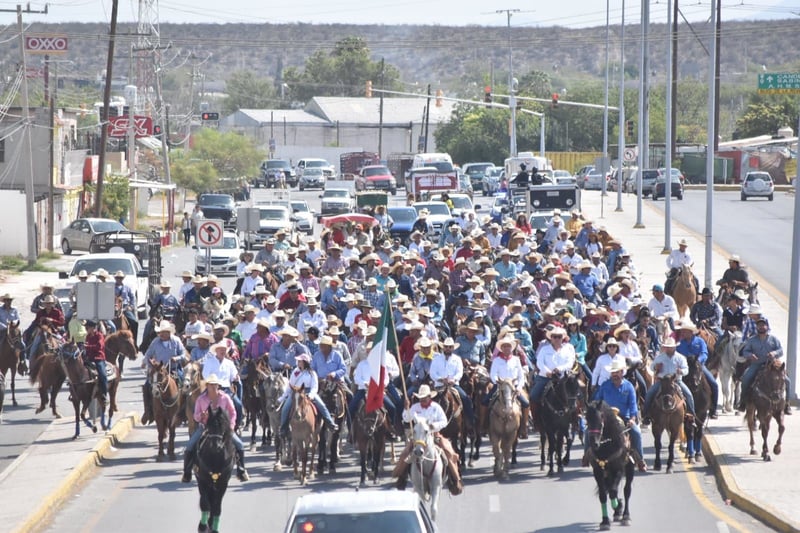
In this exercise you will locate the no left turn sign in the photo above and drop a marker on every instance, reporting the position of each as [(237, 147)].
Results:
[(629, 154), (209, 233)]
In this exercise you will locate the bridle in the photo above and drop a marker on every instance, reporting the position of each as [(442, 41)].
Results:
[(160, 390)]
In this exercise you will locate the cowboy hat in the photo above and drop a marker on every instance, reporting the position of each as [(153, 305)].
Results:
[(683, 242), (334, 331), (165, 284), (261, 322), (503, 341), (556, 331), (735, 258), (623, 328), (222, 326), (327, 340), (49, 299), (290, 331), (278, 314), (612, 341), (617, 365), (473, 326), (740, 294), (213, 379), (202, 336), (250, 309), (449, 342), (423, 342), (303, 357), (198, 279), (164, 325), (614, 290), (425, 392), (184, 274), (688, 326), (6, 296), (669, 343)]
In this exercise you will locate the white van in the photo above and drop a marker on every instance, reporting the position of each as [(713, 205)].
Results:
[(512, 163), (432, 160)]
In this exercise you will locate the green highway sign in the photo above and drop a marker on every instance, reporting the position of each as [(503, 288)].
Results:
[(779, 83)]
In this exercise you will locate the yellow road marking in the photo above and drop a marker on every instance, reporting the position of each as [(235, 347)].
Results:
[(697, 489)]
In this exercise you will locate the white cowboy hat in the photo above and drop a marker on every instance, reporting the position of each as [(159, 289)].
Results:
[(203, 336), (669, 343), (556, 331), (218, 346), (450, 343), (616, 365), (424, 342), (425, 392), (303, 357), (290, 331), (213, 380), (511, 341), (165, 325), (327, 340)]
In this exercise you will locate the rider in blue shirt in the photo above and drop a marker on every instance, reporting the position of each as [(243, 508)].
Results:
[(691, 345)]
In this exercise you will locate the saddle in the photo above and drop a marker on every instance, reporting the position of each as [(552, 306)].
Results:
[(458, 406), (111, 372)]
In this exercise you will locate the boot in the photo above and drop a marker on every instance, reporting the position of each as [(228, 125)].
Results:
[(188, 462), (241, 471), (147, 400), (454, 482), (523, 423), (787, 410), (402, 479)]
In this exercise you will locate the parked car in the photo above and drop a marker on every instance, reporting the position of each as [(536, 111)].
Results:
[(376, 177), (224, 258), (491, 181), (135, 275), (593, 181), (675, 172), (311, 178), (304, 217), (462, 203), (337, 201), (676, 188), (271, 170), (387, 511), (758, 184), (403, 218), (220, 207), (476, 172), (79, 234), (580, 175), (648, 180)]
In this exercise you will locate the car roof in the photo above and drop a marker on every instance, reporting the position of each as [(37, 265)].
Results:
[(107, 255), (399, 208), (345, 189), (346, 502), (428, 203), (95, 219)]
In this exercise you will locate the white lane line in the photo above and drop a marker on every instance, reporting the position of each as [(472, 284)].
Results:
[(722, 527), (494, 503)]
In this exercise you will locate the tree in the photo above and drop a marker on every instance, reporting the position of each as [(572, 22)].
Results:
[(246, 91), (764, 118), (213, 156), (116, 197)]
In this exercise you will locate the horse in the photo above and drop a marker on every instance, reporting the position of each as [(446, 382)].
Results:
[(120, 320), (505, 416), (84, 389), (2, 394), (275, 384), (215, 458), (767, 401), (369, 433), (667, 414), (475, 382), (455, 430), (10, 357), (609, 454), (47, 371), (701, 392), (428, 466), (559, 409), (335, 400), (684, 291), (710, 338), (190, 391), (728, 354), (121, 345), (305, 434), (166, 395), (253, 398)]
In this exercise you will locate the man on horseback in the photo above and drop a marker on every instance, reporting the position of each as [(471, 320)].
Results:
[(436, 418), (127, 300), (735, 276), (666, 363), (166, 302), (507, 366), (95, 352), (304, 376), (8, 315), (168, 350), (675, 260), (212, 399), (760, 350), (447, 370), (691, 345), (662, 304), (48, 314), (707, 313)]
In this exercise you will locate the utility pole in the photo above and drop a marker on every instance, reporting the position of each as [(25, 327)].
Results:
[(427, 118), (604, 168), (621, 133), (380, 117), (712, 134), (673, 118), (717, 38), (512, 99), (98, 206)]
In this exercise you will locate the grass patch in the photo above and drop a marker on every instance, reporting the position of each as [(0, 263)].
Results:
[(19, 264)]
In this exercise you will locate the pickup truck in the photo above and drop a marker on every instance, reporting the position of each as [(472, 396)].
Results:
[(218, 207)]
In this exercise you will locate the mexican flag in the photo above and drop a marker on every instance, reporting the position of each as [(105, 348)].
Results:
[(383, 346)]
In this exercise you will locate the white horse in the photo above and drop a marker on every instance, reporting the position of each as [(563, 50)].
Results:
[(428, 466), (729, 347)]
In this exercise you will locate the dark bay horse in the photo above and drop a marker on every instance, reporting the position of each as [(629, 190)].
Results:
[(610, 456), (305, 434), (667, 413), (46, 371), (10, 351), (455, 430), (121, 345), (766, 401), (165, 406), (476, 384), (369, 434), (254, 398), (84, 389), (335, 400), (558, 412), (215, 459), (701, 392)]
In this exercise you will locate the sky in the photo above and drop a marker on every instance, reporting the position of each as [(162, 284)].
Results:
[(568, 13)]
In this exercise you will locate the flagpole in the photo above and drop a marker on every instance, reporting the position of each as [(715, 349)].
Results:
[(397, 346)]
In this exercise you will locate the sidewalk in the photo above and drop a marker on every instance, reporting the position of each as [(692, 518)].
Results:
[(768, 491)]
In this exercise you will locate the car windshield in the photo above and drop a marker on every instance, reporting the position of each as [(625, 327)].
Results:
[(561, 174), (101, 226), (277, 164), (385, 522), (216, 200), (376, 171), (403, 214), (309, 171), (478, 170), (334, 193), (110, 264), (299, 207), (461, 202), (649, 174), (229, 243), (434, 209), (316, 164), (272, 214)]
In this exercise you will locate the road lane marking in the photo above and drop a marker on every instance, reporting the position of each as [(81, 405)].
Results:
[(722, 527), (494, 503), (697, 489)]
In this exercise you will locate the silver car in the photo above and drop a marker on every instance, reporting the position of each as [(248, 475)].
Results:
[(312, 178), (758, 184), (78, 235)]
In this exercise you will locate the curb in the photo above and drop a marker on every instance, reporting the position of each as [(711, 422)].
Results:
[(53, 501), (731, 187), (730, 490)]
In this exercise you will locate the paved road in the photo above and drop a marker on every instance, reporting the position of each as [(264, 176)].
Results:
[(758, 230)]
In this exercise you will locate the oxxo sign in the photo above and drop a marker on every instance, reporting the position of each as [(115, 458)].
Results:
[(46, 44)]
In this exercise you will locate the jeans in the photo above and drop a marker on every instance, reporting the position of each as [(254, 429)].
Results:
[(586, 372), (361, 394), (714, 389), (520, 396), (102, 378), (653, 392), (237, 404), (191, 446), (186, 234), (286, 410), (539, 383)]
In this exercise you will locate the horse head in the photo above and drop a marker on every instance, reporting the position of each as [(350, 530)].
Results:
[(595, 423), (68, 352), (218, 422), (506, 393), (667, 395), (423, 436)]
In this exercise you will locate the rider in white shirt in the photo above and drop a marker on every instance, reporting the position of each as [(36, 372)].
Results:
[(304, 376), (600, 373), (447, 369)]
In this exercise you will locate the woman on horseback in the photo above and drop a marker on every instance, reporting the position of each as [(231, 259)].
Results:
[(304, 376), (212, 398), (95, 353)]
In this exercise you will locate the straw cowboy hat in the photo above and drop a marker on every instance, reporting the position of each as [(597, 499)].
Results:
[(290, 331), (213, 379), (425, 392), (202, 336), (612, 342), (669, 343), (165, 325), (616, 365), (449, 342), (219, 346), (510, 341), (223, 327), (556, 331), (423, 342), (686, 326), (327, 340), (6, 296), (623, 328)]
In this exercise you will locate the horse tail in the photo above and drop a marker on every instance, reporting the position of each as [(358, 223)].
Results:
[(36, 367)]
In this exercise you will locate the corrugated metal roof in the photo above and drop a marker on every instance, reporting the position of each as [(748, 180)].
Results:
[(256, 117), (348, 110)]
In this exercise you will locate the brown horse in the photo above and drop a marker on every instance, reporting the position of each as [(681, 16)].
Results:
[(766, 401), (191, 390), (84, 389), (504, 419), (10, 356), (335, 399), (475, 382), (684, 291), (121, 345), (47, 371), (305, 434), (166, 395), (710, 338), (369, 434), (455, 430), (667, 413)]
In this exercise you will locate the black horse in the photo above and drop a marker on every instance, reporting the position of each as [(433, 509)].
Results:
[(610, 456), (559, 409), (693, 427), (335, 399), (215, 459)]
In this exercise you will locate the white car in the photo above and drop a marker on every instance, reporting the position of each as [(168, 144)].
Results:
[(224, 259), (438, 214), (304, 216), (462, 204), (135, 275), (273, 218), (758, 184)]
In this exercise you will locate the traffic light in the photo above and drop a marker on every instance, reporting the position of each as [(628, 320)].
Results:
[(439, 94), (156, 130), (629, 128), (209, 116), (555, 100), (369, 89), (487, 94)]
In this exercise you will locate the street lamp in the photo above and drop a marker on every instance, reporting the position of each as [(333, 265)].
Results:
[(512, 99)]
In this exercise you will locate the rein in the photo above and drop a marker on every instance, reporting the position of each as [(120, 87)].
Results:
[(159, 392)]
